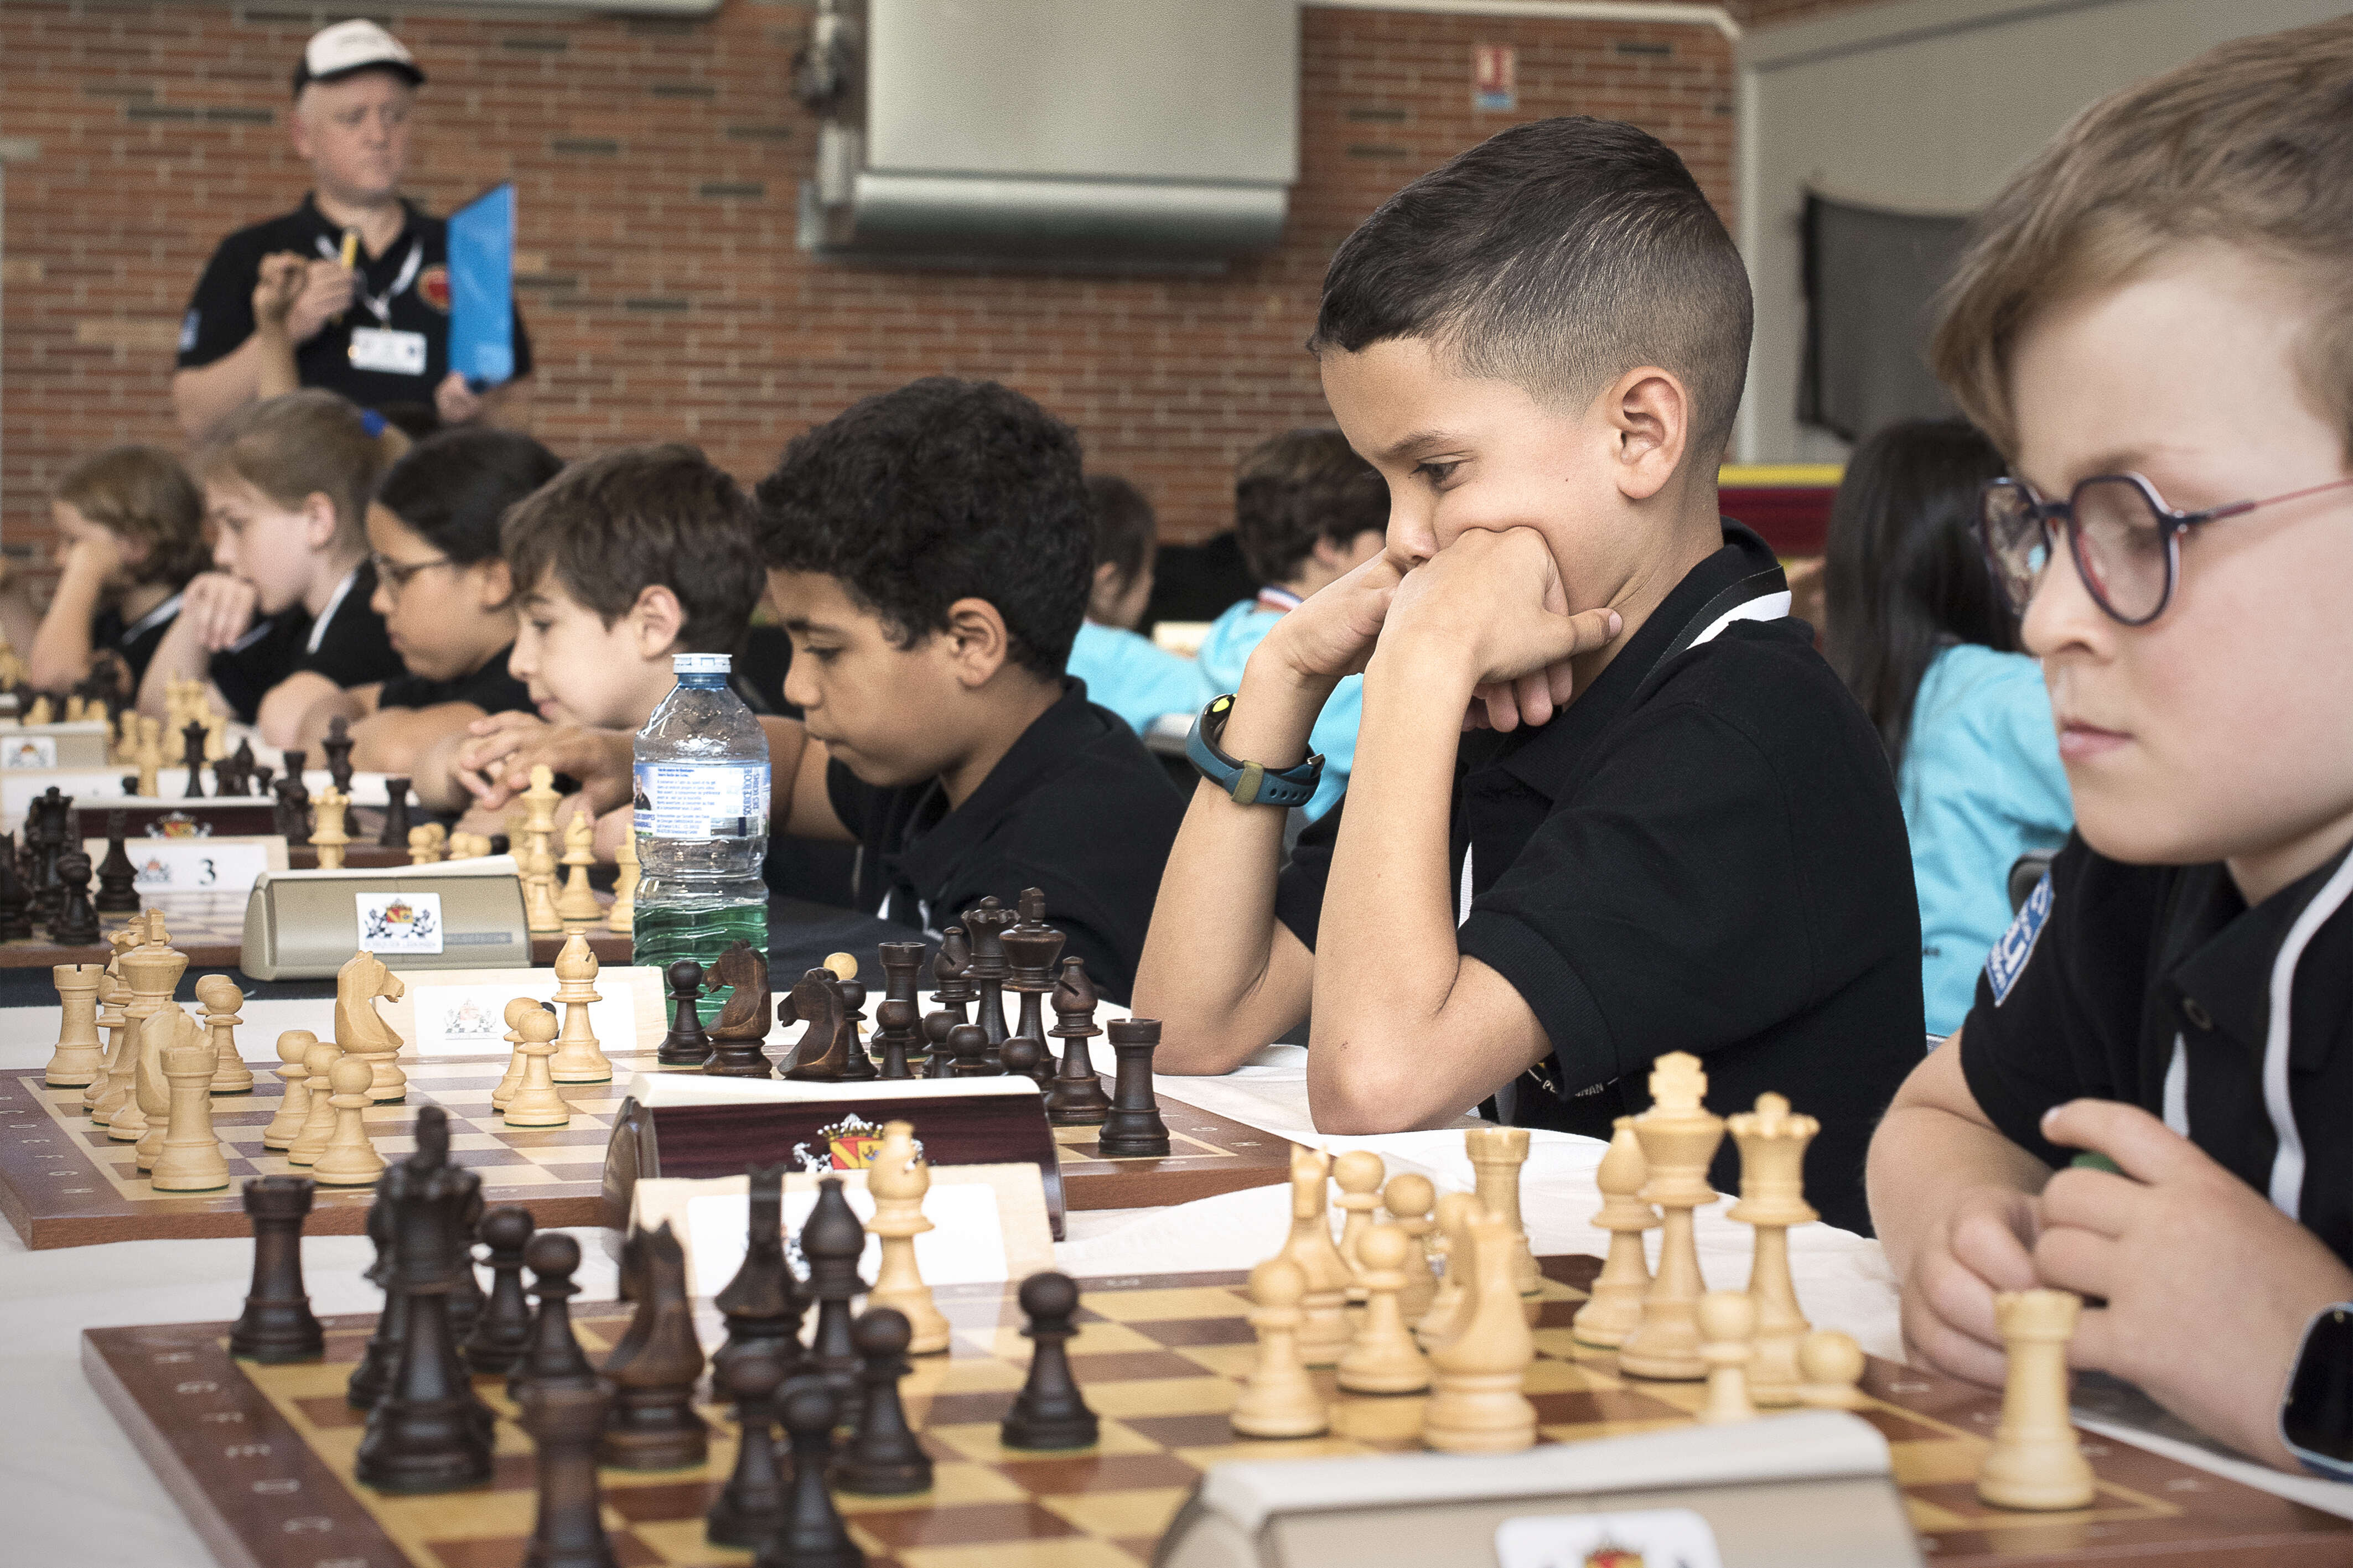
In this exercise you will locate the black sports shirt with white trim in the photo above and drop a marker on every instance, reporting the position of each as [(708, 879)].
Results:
[(2154, 986)]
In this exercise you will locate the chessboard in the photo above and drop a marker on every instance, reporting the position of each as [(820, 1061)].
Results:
[(210, 929), (261, 1457), (64, 1184)]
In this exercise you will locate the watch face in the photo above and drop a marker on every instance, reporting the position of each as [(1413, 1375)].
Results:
[(2319, 1415)]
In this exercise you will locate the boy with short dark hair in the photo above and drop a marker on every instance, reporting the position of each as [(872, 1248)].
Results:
[(1125, 672), (2153, 324), (618, 563), (1678, 831), (930, 551), (1307, 512)]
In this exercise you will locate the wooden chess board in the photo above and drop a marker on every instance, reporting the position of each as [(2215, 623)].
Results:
[(63, 1183), (261, 1458), (210, 929)]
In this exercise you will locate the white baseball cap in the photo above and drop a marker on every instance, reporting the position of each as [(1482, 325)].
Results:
[(336, 52)]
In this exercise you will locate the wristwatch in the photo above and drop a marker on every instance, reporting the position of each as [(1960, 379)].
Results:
[(1249, 783), (2317, 1417)]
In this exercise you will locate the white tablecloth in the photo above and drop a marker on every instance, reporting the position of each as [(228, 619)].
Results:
[(73, 1491)]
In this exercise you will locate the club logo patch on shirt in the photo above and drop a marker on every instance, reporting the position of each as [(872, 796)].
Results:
[(2008, 960), (433, 287)]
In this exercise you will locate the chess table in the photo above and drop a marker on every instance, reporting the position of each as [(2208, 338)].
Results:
[(64, 1184), (260, 1458)]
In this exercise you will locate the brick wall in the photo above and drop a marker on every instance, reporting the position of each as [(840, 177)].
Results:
[(656, 163)]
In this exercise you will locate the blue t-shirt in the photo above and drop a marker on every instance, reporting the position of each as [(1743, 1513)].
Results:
[(1226, 651), (1982, 785), (1134, 678)]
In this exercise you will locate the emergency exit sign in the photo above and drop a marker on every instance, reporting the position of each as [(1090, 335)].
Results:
[(1495, 78)]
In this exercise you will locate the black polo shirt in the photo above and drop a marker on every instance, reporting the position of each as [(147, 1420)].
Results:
[(347, 643), (1707, 858), (2152, 984), (489, 688), (137, 641), (410, 282), (1077, 809)]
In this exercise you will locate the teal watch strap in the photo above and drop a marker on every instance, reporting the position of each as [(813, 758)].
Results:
[(1247, 784)]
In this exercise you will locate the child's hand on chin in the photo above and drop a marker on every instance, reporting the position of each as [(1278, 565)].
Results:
[(1331, 635), (1491, 605)]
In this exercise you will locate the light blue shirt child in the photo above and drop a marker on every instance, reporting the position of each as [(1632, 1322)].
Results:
[(1226, 651), (1982, 785), (1134, 678)]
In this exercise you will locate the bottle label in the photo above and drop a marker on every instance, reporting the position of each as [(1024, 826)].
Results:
[(702, 800)]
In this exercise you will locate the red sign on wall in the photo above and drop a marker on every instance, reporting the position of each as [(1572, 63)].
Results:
[(1495, 78)]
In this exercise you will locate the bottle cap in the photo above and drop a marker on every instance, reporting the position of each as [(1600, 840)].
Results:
[(700, 663)]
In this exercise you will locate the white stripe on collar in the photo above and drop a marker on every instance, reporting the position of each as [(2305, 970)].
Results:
[(334, 603), (2287, 1165), (157, 616)]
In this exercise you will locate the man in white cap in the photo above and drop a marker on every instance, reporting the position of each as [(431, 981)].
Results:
[(349, 291)]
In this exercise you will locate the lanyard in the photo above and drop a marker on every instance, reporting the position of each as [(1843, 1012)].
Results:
[(380, 305)]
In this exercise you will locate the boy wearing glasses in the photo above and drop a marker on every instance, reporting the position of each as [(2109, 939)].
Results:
[(1673, 829), (2153, 323)]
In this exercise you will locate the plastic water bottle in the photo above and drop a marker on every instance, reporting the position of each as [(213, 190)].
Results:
[(701, 815)]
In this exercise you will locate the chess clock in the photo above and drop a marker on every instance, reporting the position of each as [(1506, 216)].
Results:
[(1813, 1489), (2316, 1419), (463, 914)]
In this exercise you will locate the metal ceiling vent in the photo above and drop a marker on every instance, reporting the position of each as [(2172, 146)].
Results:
[(1070, 131)]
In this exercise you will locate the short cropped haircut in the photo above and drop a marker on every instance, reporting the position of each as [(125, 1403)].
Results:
[(1555, 256), (1300, 486), (2249, 145), (141, 494), (292, 447), (942, 490), (453, 488), (612, 527), (1126, 533)]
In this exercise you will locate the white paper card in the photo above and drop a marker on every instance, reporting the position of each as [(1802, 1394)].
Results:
[(389, 351), (964, 1247), (29, 751), (1657, 1538), (469, 1020), (190, 864), (400, 922)]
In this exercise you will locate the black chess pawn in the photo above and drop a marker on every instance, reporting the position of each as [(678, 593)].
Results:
[(968, 1048), (1134, 1128), (277, 1324), (762, 1304), (750, 1509), (1077, 1098), (396, 814), (1022, 1056), (193, 736), (857, 1066), (832, 1242), (568, 1528), (16, 899), (884, 1458), (118, 879), (895, 1033), (686, 1045), (503, 1326), (76, 922), (1050, 1412), (552, 1356), (813, 1535)]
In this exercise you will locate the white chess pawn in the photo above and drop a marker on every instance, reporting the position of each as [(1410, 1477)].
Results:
[(349, 1159), (1278, 1399), (293, 1046), (537, 1103), (319, 1122), (1831, 1364), (1409, 1198), (1358, 1173), (504, 1091), (221, 998), (1727, 1331), (1383, 1358), (897, 1180)]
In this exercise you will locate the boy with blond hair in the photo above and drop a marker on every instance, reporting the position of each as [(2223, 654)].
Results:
[(2154, 323)]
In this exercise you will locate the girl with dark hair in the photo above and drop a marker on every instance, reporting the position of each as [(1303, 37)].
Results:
[(1919, 632), (447, 605)]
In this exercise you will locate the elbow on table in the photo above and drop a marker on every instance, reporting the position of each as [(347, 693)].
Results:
[(1350, 1096), (1193, 1051)]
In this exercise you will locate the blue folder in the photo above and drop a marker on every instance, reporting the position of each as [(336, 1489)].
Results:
[(481, 289)]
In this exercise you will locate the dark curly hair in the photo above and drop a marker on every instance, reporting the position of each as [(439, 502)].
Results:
[(1298, 487), (944, 489)]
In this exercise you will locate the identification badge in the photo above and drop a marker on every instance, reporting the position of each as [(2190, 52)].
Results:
[(393, 352)]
